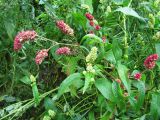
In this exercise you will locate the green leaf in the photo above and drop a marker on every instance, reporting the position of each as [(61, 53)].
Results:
[(88, 77), (123, 74), (105, 87), (129, 11), (91, 115), (110, 57), (155, 105), (117, 92), (141, 91), (90, 39), (70, 80), (35, 93), (26, 80), (116, 50), (10, 28)]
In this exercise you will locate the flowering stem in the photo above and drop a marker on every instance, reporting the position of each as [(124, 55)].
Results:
[(125, 39)]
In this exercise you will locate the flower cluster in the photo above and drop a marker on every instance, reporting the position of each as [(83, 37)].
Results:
[(63, 51), (23, 36), (64, 28), (92, 21), (90, 68), (149, 63), (41, 55), (137, 76), (157, 36), (92, 55)]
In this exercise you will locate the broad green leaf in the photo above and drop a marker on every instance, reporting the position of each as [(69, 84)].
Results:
[(117, 92), (123, 74), (10, 28), (110, 57), (105, 87), (70, 80), (26, 80), (88, 77), (90, 39), (155, 105), (130, 11), (116, 50), (141, 93)]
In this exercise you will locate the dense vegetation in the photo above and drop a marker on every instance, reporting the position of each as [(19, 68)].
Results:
[(80, 59)]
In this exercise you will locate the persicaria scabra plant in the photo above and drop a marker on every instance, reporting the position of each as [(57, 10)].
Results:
[(84, 59)]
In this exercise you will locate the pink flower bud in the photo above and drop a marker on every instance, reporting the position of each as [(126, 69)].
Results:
[(91, 23), (63, 51), (89, 16), (97, 27), (64, 28), (91, 32), (41, 56), (137, 76)]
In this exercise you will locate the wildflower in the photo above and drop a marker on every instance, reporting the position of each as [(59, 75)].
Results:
[(92, 55), (97, 27), (23, 36), (63, 51), (89, 16), (64, 27), (149, 62), (137, 76), (91, 23), (41, 55)]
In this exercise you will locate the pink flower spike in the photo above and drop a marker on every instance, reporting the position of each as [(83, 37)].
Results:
[(149, 62), (137, 76), (63, 51), (23, 36), (41, 55), (17, 44), (64, 27)]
